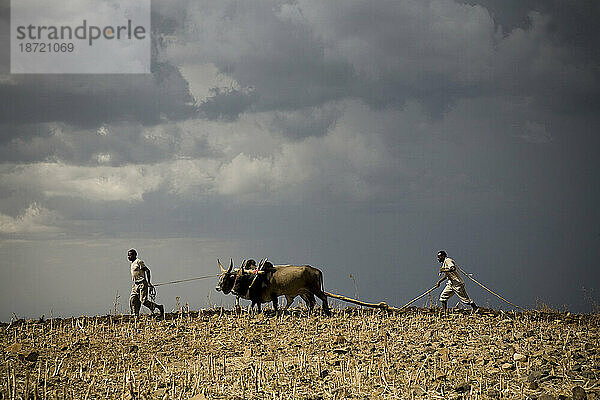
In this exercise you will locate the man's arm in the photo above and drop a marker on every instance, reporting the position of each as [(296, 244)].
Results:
[(147, 272), (440, 281), (447, 267)]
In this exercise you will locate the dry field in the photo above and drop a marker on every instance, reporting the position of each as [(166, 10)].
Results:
[(355, 354)]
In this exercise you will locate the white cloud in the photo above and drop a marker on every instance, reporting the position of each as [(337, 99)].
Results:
[(127, 183), (203, 77), (352, 162), (35, 219), (103, 158), (103, 130), (248, 176), (188, 178)]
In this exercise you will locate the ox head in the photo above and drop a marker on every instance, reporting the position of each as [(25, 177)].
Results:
[(226, 279), (242, 281)]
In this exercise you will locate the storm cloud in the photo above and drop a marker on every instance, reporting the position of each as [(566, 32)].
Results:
[(359, 137)]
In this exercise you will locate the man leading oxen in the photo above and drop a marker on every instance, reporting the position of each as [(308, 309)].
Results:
[(279, 280)]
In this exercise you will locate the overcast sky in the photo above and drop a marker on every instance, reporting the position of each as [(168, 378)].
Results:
[(358, 137)]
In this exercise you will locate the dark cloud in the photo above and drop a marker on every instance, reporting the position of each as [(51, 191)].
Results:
[(305, 54), (114, 144), (88, 101), (314, 121), (57, 117), (284, 62), (227, 103), (91, 100), (570, 83), (4, 36), (574, 22)]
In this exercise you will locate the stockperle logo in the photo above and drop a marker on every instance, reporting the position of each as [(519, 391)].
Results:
[(80, 36)]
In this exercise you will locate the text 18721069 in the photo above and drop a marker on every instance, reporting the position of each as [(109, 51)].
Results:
[(43, 47)]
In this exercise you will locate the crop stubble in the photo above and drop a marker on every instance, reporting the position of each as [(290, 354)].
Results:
[(356, 354)]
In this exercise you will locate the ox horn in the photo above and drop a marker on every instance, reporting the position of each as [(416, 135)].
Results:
[(220, 266), (230, 265)]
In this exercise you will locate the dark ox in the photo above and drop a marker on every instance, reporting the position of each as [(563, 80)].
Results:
[(283, 280), (226, 281)]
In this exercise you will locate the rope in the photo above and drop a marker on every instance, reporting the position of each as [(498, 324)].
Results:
[(489, 290), (418, 297), (152, 290), (185, 280), (471, 278), (381, 305)]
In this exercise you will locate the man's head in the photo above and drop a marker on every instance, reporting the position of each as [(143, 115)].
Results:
[(441, 255), (132, 255)]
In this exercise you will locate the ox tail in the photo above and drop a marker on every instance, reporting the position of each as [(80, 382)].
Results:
[(321, 282)]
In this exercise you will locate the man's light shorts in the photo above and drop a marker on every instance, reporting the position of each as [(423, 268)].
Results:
[(460, 291), (140, 290)]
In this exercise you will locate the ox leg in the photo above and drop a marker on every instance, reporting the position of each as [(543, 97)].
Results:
[(309, 299), (323, 298), (274, 300), (311, 302), (304, 297), (238, 309), (288, 302)]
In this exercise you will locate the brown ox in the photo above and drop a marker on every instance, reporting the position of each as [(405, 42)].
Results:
[(284, 280)]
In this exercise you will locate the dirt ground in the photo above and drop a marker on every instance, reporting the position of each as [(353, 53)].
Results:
[(354, 354)]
